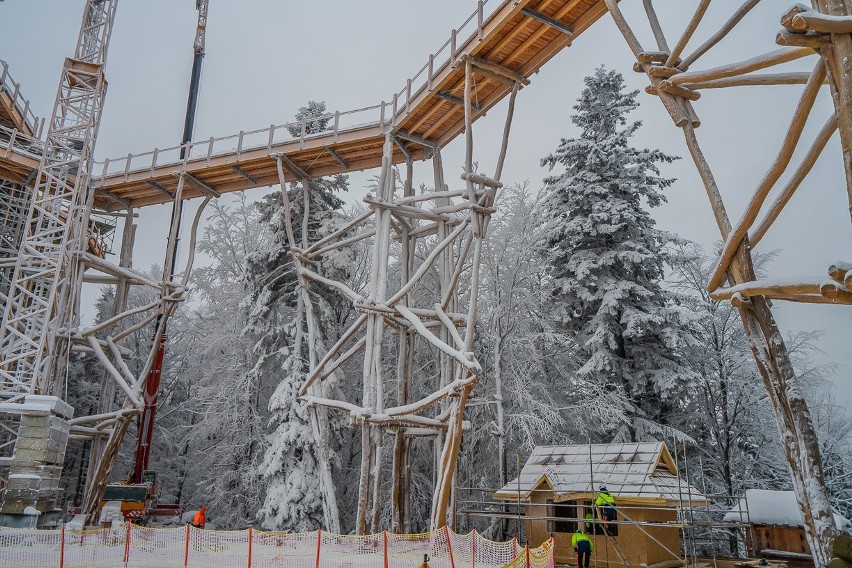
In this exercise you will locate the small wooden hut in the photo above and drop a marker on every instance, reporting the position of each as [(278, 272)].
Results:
[(775, 525), (558, 485)]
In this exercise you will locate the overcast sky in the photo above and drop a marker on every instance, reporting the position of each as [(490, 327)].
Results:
[(265, 58)]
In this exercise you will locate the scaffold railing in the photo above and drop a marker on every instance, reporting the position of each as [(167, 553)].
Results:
[(22, 105)]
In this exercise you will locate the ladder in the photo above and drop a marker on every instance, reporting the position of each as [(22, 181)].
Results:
[(611, 540)]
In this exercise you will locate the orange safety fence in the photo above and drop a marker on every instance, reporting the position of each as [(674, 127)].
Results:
[(132, 546)]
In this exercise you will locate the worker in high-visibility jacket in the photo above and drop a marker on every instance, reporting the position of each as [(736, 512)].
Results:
[(583, 547), (605, 502), (200, 518)]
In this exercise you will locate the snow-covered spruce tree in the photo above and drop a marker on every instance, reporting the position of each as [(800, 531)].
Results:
[(290, 466), (606, 260)]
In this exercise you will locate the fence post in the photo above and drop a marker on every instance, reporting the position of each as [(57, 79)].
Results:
[(62, 548), (127, 544), (515, 545), (473, 554), (249, 554), (449, 546), (385, 543), (527, 553), (186, 548), (319, 541)]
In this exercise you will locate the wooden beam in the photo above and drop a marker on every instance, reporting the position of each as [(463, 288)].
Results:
[(402, 148), (201, 186), (245, 175), (113, 197), (454, 99), (333, 153), (159, 188), (416, 139), (288, 164), (494, 68), (544, 19)]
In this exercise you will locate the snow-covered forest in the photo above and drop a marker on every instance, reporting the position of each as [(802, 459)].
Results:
[(593, 325)]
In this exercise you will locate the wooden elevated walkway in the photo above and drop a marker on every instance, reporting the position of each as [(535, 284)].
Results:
[(506, 40)]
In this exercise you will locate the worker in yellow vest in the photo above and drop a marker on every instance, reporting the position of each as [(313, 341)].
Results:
[(605, 503), (583, 547)]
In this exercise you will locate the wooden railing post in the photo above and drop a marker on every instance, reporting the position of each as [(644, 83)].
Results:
[(319, 543), (127, 544), (385, 547), (336, 124), (449, 546), (249, 547), (186, 548), (62, 549)]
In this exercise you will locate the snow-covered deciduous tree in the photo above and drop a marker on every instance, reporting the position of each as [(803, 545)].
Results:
[(606, 260), (525, 354)]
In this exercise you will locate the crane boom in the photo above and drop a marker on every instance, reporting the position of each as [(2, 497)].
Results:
[(152, 383)]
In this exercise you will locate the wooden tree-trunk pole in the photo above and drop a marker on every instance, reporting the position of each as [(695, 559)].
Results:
[(837, 60), (372, 393), (767, 344), (106, 400), (305, 313), (405, 367)]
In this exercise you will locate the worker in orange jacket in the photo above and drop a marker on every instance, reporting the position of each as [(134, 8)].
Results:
[(200, 518)]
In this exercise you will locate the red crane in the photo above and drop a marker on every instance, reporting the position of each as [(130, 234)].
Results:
[(152, 383)]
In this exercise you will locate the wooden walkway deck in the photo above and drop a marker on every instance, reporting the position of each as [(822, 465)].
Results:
[(20, 149), (517, 35)]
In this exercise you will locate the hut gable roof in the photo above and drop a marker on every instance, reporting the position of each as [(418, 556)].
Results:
[(634, 470)]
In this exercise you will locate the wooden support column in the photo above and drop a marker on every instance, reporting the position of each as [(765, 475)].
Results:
[(401, 482), (106, 400), (306, 316), (766, 341), (373, 391), (838, 60)]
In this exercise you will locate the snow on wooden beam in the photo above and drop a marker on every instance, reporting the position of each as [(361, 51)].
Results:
[(812, 20), (780, 288), (763, 61)]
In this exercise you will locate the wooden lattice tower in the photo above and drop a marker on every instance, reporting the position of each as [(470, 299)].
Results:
[(824, 34)]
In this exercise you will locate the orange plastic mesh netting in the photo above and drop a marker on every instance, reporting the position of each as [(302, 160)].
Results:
[(184, 547)]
